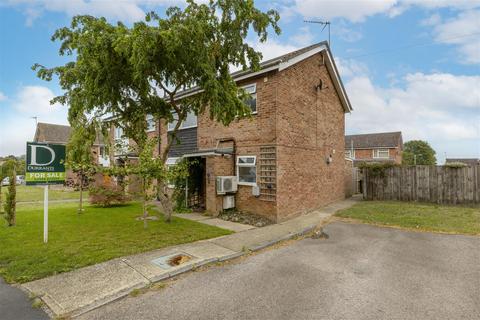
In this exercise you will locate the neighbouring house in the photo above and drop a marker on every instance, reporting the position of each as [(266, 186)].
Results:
[(374, 147), (467, 161), (60, 134), (288, 158)]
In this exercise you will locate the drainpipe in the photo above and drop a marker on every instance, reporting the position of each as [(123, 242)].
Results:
[(233, 159)]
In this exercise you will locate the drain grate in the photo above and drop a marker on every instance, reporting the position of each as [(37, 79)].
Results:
[(172, 260)]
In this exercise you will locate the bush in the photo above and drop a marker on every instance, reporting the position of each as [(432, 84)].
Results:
[(455, 165), (377, 169), (108, 196)]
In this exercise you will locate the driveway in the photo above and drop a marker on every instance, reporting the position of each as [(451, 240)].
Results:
[(15, 305), (360, 272)]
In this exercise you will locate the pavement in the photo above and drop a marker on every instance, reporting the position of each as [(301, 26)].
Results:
[(15, 305), (359, 272), (85, 289)]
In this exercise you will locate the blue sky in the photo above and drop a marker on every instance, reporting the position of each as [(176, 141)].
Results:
[(408, 65)]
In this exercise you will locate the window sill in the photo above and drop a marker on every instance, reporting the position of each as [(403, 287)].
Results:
[(248, 184)]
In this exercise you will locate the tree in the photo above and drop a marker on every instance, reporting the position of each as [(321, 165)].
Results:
[(132, 72), (11, 197), (418, 152), (5, 171), (79, 153)]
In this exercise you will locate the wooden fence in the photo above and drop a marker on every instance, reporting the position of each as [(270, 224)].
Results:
[(437, 184)]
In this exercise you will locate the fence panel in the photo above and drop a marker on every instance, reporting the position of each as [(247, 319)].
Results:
[(437, 184)]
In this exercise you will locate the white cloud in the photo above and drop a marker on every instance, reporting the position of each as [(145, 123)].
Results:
[(349, 68), (272, 48), (17, 124), (124, 10), (463, 31), (35, 100), (3, 97), (355, 11), (441, 108), (358, 11), (303, 37)]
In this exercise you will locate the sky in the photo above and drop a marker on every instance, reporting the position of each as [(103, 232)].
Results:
[(407, 65)]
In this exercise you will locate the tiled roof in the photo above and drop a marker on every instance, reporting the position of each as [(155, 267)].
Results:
[(55, 133), (374, 140)]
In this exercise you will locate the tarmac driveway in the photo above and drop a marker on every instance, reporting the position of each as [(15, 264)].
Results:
[(360, 272)]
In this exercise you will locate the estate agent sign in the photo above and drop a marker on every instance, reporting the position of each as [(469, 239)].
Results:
[(45, 164)]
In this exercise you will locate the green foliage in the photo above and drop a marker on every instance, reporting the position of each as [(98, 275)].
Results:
[(418, 216), (179, 177), (108, 196), (455, 165), (77, 241), (418, 152), (11, 198), (377, 169)]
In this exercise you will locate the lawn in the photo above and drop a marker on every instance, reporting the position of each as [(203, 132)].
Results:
[(35, 193), (78, 240), (418, 216)]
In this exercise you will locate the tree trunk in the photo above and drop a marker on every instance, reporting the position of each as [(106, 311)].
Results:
[(80, 204), (144, 204), (165, 201)]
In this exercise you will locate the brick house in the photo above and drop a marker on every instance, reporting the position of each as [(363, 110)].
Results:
[(374, 147), (60, 134), (288, 158)]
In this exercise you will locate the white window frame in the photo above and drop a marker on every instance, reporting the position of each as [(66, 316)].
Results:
[(376, 153), (254, 164), (171, 125), (171, 161), (150, 118), (351, 154), (254, 94), (116, 132)]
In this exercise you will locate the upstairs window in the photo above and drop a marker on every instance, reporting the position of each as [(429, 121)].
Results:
[(247, 170), (151, 123), (189, 122), (381, 154), (252, 100), (118, 133)]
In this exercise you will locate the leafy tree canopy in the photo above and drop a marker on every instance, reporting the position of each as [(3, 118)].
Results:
[(418, 152), (130, 72)]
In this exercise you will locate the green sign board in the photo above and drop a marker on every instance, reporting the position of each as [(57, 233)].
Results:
[(45, 163)]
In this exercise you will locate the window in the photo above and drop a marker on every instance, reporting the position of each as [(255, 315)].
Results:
[(118, 134), (170, 163), (189, 122), (252, 101), (350, 154), (381, 153), (247, 170), (151, 123)]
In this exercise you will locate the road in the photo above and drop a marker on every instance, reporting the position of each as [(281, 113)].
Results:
[(360, 272), (15, 305)]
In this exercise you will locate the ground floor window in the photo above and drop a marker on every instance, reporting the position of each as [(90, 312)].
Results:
[(247, 170)]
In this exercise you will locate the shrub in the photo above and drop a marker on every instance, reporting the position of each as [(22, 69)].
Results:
[(107, 196), (377, 169), (455, 165), (10, 201)]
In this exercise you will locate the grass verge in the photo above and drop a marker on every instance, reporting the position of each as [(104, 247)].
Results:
[(79, 240), (418, 216)]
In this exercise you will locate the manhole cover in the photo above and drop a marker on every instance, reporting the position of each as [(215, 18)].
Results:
[(172, 260)]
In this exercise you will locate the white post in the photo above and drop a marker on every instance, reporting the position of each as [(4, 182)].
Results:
[(45, 214)]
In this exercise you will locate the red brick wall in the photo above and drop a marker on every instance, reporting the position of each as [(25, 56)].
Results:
[(395, 154), (310, 128)]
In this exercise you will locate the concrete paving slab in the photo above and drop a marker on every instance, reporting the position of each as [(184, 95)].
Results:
[(82, 288), (199, 251), (251, 239), (229, 225)]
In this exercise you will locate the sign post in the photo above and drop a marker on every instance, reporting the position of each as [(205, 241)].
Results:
[(45, 165)]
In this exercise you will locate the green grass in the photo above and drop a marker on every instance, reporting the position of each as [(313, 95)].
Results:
[(78, 240), (428, 217), (35, 193)]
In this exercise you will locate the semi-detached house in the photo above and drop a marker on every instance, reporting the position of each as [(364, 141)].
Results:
[(288, 158)]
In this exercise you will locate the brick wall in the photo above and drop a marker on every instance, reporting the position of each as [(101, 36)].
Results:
[(310, 128), (395, 155)]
